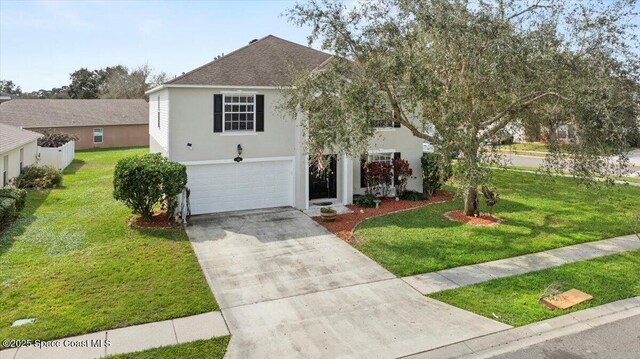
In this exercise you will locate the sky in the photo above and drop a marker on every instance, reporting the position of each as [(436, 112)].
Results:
[(42, 42)]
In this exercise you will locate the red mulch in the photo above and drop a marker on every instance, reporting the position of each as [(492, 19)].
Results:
[(484, 219), (345, 223), (158, 220)]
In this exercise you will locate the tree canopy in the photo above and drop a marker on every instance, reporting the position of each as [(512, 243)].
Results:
[(470, 71)]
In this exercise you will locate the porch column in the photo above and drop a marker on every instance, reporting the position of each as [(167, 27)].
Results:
[(346, 184)]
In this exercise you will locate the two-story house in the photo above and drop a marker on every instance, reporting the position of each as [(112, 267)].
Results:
[(221, 120)]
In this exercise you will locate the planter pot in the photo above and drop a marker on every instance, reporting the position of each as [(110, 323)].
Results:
[(329, 217)]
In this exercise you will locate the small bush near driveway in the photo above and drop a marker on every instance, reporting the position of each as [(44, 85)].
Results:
[(141, 182)]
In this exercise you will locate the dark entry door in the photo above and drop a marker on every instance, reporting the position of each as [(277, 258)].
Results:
[(323, 184)]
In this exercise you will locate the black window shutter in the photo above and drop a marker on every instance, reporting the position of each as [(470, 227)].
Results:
[(363, 183), (260, 113), (396, 155), (217, 113)]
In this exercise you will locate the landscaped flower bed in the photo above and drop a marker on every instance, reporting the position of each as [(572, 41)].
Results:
[(345, 223)]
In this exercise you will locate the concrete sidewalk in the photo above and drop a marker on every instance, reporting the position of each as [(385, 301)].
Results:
[(466, 275), (126, 340), (521, 337)]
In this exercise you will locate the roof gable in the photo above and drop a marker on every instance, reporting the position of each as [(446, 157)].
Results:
[(269, 61)]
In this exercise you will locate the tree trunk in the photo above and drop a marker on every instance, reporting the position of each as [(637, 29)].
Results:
[(471, 201)]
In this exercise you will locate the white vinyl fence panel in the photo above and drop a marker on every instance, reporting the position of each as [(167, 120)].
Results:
[(58, 157)]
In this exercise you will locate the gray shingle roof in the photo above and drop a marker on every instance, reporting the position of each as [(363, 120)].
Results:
[(12, 137), (65, 113), (269, 61)]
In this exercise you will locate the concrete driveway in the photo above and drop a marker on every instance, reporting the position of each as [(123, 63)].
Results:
[(288, 288)]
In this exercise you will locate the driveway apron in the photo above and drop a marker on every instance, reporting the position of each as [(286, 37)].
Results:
[(288, 288)]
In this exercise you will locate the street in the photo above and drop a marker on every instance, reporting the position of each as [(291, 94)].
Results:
[(617, 340)]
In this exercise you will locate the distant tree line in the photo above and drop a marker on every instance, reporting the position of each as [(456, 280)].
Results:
[(115, 82)]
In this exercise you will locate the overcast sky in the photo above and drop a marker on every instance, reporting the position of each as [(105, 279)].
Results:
[(42, 42)]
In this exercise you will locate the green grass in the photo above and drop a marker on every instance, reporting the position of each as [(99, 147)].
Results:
[(199, 349), (529, 168), (538, 214), (514, 300), (71, 261)]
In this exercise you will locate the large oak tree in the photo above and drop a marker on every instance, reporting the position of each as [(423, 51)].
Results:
[(471, 70)]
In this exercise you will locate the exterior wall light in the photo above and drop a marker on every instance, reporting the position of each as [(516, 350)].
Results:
[(189, 146), (239, 158)]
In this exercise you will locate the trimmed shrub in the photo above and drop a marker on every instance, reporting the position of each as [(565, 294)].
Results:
[(19, 195), (7, 211), (366, 201), (143, 181), (38, 177), (433, 176), (412, 196)]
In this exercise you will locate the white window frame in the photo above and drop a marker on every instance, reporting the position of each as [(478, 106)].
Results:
[(224, 111), (372, 155), (101, 135)]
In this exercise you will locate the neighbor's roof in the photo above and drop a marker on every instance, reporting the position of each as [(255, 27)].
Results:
[(270, 61), (12, 137), (66, 113)]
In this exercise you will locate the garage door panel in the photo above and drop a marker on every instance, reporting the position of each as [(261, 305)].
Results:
[(239, 186)]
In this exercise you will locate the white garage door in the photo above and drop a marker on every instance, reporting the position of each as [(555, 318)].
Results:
[(239, 186)]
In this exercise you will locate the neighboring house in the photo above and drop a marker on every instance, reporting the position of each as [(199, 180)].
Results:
[(4, 97), (18, 148), (202, 117), (97, 123)]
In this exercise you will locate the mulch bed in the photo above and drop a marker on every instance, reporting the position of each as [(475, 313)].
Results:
[(158, 220), (484, 219), (345, 223)]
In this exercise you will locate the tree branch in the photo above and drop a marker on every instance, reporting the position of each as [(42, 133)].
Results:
[(501, 121), (399, 116)]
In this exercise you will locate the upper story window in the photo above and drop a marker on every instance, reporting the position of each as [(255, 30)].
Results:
[(98, 135), (387, 123), (239, 113)]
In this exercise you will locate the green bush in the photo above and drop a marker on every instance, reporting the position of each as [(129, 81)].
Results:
[(38, 177), (19, 195), (143, 181), (367, 200), (7, 211), (412, 196), (433, 176)]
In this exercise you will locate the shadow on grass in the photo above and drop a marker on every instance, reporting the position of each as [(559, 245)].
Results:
[(75, 165), (25, 218)]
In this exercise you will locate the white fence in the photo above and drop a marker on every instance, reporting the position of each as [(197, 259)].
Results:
[(58, 157)]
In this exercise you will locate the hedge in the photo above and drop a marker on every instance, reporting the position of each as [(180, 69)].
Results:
[(7, 211), (19, 195)]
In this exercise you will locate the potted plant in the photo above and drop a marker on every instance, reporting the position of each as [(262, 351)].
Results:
[(328, 214)]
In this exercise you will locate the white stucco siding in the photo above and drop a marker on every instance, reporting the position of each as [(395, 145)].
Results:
[(159, 130), (191, 114), (395, 140), (13, 156)]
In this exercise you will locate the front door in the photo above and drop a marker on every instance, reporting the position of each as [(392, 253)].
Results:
[(323, 184)]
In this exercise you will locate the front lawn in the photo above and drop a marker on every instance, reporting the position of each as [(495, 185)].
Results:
[(538, 215), (200, 349), (71, 261), (514, 300)]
